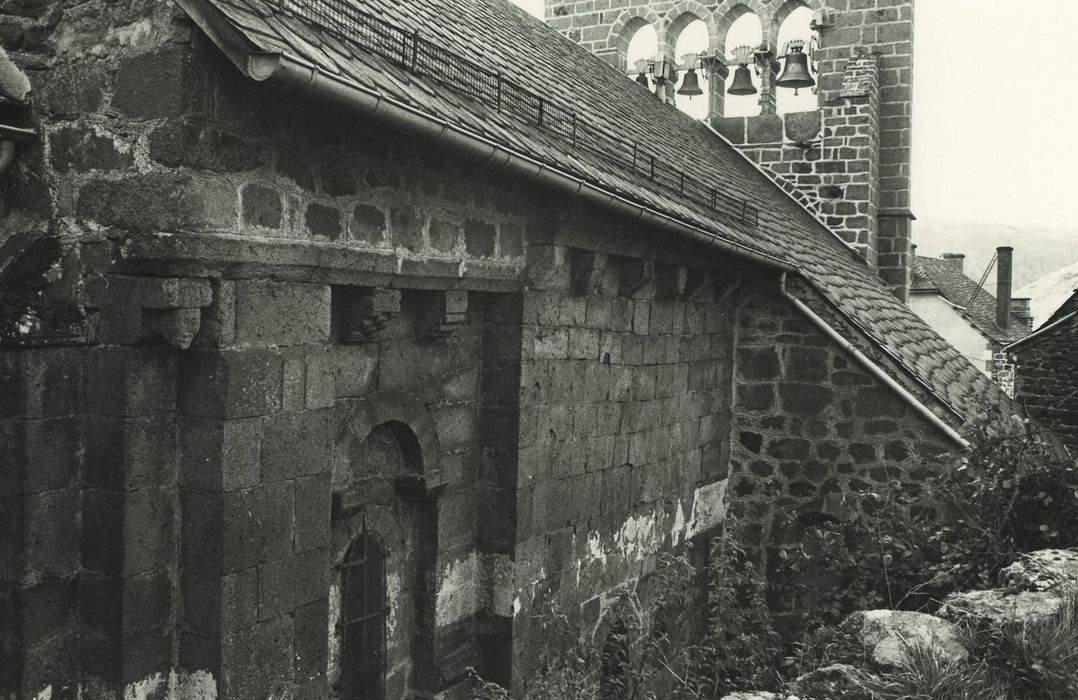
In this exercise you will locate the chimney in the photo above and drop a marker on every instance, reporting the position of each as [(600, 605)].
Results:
[(958, 259), (1003, 286), (1020, 309)]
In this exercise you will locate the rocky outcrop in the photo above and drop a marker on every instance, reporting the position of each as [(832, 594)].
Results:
[(1032, 588), (999, 606), (835, 681), (1044, 570), (889, 635)]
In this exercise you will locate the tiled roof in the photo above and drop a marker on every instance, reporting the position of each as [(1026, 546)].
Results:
[(971, 300), (527, 51), (1065, 309)]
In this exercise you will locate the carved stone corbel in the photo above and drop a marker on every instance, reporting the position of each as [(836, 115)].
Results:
[(669, 281), (362, 313), (586, 270), (447, 312), (172, 308), (636, 275), (134, 309), (699, 285)]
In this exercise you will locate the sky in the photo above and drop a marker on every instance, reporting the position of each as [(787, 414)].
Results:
[(995, 117)]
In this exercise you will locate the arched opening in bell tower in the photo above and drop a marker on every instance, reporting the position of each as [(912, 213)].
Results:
[(691, 38), (794, 22), (745, 29), (639, 41)]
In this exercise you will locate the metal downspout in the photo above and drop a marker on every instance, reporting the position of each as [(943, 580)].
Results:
[(871, 366), (7, 156), (305, 79)]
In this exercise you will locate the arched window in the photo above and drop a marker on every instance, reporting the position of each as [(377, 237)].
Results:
[(745, 31), (693, 39), (363, 620), (643, 44), (796, 26)]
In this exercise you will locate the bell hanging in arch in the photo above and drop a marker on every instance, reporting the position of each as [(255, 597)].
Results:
[(742, 84), (690, 86), (795, 74)]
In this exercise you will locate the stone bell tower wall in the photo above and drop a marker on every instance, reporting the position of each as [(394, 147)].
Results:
[(849, 160)]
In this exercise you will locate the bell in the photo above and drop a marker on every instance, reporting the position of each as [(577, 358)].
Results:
[(742, 84), (643, 80), (796, 72), (690, 86)]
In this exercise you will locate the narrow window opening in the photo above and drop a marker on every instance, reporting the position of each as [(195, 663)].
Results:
[(363, 620)]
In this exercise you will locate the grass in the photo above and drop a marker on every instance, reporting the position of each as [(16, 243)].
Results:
[(1036, 660)]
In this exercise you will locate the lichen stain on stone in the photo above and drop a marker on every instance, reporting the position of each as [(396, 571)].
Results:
[(140, 33), (499, 597), (333, 651), (642, 534), (639, 535), (197, 685), (678, 529), (708, 508), (393, 593), (456, 597), (595, 547)]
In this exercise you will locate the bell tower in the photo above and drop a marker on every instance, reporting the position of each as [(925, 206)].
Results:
[(849, 159)]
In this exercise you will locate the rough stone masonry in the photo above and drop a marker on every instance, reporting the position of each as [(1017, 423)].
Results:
[(252, 345)]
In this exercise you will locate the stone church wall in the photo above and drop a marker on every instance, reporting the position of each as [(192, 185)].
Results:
[(294, 327), (813, 431)]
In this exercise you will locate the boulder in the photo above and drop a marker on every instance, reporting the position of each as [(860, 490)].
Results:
[(1044, 570), (888, 635), (1000, 606), (836, 681)]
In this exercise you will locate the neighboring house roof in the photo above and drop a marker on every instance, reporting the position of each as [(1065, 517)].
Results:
[(566, 76), (971, 300), (1047, 293), (1062, 316)]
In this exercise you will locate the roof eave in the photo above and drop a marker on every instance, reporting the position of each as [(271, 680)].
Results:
[(1040, 332)]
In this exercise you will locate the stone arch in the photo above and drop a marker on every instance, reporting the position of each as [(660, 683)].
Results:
[(624, 28), (684, 13), (782, 12), (406, 418), (385, 482), (730, 12)]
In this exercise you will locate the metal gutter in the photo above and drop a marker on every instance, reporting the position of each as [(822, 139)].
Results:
[(1041, 331), (309, 81), (871, 366)]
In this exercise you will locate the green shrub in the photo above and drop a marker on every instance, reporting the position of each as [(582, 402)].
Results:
[(911, 544)]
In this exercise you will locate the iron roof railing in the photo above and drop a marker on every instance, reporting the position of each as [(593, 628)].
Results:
[(427, 59)]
